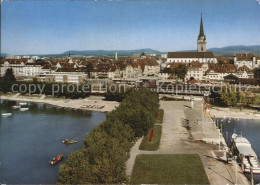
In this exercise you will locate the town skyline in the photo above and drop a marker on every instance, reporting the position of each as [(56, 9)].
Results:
[(125, 25)]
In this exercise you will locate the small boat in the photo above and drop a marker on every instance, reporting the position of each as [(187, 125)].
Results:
[(22, 103), (57, 159), (67, 141), (16, 106), (24, 109), (6, 114)]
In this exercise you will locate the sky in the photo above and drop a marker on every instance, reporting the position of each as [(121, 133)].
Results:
[(52, 27)]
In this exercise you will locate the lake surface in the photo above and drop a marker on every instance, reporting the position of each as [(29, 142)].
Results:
[(249, 129), (30, 139)]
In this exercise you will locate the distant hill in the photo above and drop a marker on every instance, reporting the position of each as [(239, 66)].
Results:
[(231, 50), (3, 54), (111, 52), (224, 51)]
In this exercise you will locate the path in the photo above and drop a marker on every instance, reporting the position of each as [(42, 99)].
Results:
[(177, 140)]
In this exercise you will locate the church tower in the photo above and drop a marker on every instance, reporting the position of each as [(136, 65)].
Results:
[(201, 43)]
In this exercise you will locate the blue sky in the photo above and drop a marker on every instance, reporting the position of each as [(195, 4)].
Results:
[(50, 27)]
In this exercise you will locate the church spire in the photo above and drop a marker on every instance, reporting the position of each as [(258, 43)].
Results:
[(201, 42), (201, 27)]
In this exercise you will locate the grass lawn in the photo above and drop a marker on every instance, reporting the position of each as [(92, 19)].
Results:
[(159, 118), (154, 144), (169, 169)]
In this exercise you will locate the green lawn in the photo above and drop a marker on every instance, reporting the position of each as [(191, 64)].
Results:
[(154, 144), (169, 169), (159, 118)]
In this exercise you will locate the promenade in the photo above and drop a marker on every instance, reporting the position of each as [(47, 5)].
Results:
[(66, 103), (177, 139)]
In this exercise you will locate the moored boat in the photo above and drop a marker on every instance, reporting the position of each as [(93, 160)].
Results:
[(16, 106), (24, 109), (242, 148), (57, 159), (6, 114), (67, 141), (22, 103)]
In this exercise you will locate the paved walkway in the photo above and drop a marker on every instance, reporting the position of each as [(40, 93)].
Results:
[(176, 139)]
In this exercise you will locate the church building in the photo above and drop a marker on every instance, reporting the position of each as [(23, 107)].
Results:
[(201, 55)]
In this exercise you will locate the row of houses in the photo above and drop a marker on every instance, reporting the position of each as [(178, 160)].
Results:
[(74, 70), (211, 72)]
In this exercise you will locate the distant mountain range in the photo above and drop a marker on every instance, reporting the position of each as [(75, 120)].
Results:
[(112, 52), (231, 50), (224, 51)]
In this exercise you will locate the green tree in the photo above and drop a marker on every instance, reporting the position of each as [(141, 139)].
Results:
[(257, 73), (228, 96), (241, 98), (181, 71), (9, 76), (76, 169), (256, 100), (89, 68)]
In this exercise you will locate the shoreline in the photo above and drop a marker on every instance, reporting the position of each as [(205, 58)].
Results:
[(67, 103), (221, 112)]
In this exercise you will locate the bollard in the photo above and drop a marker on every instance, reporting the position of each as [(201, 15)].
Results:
[(226, 138), (251, 176)]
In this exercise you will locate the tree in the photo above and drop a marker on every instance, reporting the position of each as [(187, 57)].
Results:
[(181, 71), (257, 73), (256, 100), (228, 96), (89, 68), (241, 98), (9, 76), (76, 170)]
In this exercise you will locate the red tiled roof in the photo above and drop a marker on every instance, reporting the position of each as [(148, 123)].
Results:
[(244, 68), (176, 64), (196, 64), (244, 56), (190, 55), (15, 61)]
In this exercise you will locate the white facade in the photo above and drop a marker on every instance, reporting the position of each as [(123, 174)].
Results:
[(189, 60), (151, 70), (132, 71)]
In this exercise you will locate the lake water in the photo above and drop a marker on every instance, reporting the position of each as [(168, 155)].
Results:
[(30, 139), (249, 129)]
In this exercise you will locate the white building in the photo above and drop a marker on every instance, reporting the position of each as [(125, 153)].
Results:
[(196, 71), (132, 71), (188, 57), (246, 59)]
